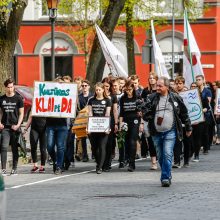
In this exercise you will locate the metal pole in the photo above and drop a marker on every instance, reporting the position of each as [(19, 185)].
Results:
[(173, 36), (150, 53), (52, 19), (52, 49)]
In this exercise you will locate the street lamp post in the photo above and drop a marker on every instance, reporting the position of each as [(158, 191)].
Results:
[(52, 7), (173, 36)]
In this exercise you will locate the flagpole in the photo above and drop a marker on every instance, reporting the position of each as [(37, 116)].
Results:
[(173, 35), (189, 52)]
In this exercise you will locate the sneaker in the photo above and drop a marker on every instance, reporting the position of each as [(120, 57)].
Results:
[(176, 165), (72, 164), (58, 171), (205, 152), (121, 165), (154, 166), (77, 157), (137, 157), (13, 172), (50, 162), (34, 169), (186, 165), (165, 183), (196, 159), (66, 165), (4, 172), (106, 170), (130, 169), (42, 170), (98, 170), (54, 167), (85, 159)]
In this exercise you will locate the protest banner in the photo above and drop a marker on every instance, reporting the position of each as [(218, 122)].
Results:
[(217, 102), (98, 124), (193, 103), (54, 99)]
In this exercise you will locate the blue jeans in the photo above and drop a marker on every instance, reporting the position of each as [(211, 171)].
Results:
[(164, 144), (56, 137)]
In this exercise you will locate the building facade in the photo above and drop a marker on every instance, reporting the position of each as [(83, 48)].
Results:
[(32, 53)]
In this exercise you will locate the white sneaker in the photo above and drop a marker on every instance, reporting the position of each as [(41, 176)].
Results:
[(13, 172), (4, 172)]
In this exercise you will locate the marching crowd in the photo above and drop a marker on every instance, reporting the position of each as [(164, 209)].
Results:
[(156, 118)]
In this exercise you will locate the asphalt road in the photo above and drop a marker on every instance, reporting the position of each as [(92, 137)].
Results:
[(82, 194)]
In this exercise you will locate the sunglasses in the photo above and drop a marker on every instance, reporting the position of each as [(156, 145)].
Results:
[(84, 85)]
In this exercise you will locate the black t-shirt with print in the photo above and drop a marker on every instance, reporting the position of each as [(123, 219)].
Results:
[(10, 109), (99, 106), (128, 108), (114, 100)]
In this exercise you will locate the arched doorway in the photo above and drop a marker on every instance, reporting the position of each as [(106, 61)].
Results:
[(65, 49), (165, 41)]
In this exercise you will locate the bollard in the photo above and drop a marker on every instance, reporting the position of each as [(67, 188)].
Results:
[(2, 199)]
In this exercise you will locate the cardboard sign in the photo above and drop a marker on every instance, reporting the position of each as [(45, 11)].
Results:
[(54, 99), (98, 124), (217, 102), (191, 99)]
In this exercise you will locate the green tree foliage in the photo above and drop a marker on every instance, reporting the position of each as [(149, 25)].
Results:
[(11, 14)]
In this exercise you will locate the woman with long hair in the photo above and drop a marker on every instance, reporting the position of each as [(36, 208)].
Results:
[(107, 82), (99, 106), (129, 114), (152, 81)]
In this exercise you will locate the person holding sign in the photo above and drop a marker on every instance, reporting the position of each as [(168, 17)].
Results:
[(129, 115), (187, 143), (201, 130), (99, 106), (57, 130)]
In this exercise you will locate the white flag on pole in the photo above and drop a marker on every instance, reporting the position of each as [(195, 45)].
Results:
[(192, 66), (160, 67), (114, 58)]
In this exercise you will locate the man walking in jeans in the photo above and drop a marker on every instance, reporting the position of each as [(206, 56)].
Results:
[(11, 117), (166, 113)]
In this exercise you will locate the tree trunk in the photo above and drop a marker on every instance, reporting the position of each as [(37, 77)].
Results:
[(130, 40), (97, 61), (9, 32)]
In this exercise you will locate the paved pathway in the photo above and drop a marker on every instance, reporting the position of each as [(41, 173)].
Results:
[(82, 194)]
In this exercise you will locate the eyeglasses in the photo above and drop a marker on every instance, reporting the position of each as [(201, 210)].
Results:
[(84, 85)]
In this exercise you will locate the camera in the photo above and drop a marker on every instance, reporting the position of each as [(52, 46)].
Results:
[(145, 107)]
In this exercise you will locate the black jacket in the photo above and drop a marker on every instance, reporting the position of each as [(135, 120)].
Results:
[(180, 113)]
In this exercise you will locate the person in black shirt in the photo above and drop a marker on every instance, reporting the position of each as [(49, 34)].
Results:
[(146, 138), (11, 117), (129, 114), (113, 123), (99, 106), (37, 133), (83, 101)]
